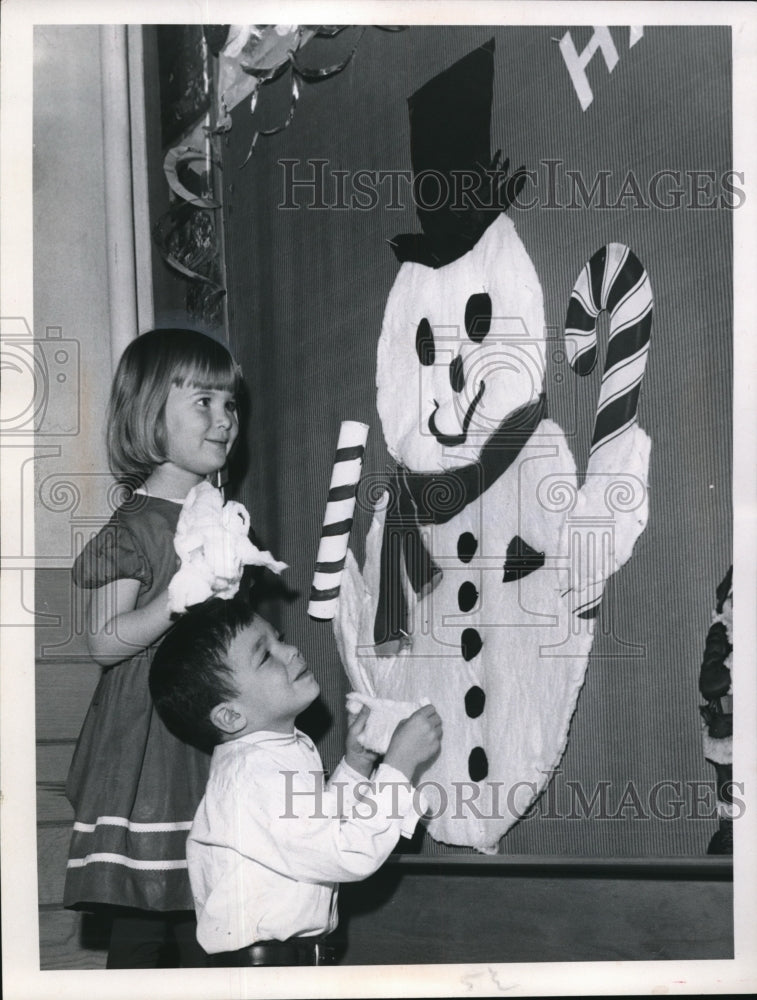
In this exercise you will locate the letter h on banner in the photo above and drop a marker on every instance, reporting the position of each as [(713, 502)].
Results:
[(578, 61)]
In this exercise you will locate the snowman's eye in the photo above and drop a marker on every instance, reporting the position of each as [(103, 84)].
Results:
[(424, 343), (478, 316)]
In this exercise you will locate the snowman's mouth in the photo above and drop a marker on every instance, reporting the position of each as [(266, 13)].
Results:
[(455, 440)]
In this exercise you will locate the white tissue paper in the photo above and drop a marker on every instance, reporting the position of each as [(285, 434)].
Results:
[(385, 716)]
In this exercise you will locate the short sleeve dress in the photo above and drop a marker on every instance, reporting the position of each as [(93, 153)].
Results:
[(133, 785)]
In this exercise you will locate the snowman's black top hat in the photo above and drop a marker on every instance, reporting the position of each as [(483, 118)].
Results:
[(458, 187)]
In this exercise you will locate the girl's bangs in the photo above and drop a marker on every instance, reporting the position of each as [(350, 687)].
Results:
[(219, 372)]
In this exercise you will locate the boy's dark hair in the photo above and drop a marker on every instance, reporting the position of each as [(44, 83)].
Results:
[(189, 674)]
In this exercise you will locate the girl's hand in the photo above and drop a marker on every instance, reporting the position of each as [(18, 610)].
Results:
[(359, 759)]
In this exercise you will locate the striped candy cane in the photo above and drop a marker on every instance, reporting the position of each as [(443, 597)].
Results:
[(614, 279), (337, 521)]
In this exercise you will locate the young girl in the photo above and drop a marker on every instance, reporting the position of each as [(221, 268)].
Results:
[(172, 422)]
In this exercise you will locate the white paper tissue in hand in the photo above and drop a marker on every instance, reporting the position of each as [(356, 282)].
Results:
[(212, 543), (385, 716)]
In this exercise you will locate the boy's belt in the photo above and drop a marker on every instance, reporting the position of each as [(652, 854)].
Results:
[(294, 951)]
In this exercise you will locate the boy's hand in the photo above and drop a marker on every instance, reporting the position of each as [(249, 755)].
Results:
[(415, 741), (359, 759)]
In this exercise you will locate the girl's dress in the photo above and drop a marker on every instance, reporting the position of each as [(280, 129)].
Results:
[(134, 787)]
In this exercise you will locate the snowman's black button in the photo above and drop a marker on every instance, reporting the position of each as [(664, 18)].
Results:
[(478, 765), (466, 547), (521, 560), (474, 702), (470, 643), (467, 596)]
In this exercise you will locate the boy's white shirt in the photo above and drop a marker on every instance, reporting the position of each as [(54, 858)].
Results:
[(270, 843)]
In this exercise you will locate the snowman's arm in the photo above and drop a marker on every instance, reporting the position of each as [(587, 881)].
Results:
[(356, 612), (353, 597), (611, 510), (541, 479)]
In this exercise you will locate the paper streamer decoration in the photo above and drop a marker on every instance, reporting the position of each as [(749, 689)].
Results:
[(337, 521), (614, 279)]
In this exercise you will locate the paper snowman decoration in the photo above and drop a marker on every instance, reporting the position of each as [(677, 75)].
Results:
[(485, 563)]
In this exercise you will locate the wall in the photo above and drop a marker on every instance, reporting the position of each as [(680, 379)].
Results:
[(72, 481), (307, 288), (309, 274)]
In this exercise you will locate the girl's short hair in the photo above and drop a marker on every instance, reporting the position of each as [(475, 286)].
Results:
[(148, 368)]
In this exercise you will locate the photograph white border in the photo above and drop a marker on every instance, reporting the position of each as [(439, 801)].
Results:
[(22, 978)]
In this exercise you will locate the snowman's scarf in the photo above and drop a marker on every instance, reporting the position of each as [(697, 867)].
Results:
[(418, 498)]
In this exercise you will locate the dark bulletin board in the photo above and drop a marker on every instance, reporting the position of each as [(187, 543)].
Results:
[(306, 293)]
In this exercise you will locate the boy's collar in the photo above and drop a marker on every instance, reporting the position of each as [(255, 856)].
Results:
[(269, 736)]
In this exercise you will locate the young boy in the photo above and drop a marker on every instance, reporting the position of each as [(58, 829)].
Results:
[(269, 842)]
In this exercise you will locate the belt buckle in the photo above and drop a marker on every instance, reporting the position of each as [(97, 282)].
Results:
[(325, 953)]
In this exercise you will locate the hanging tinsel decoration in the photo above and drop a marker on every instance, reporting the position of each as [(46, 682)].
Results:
[(248, 56), (252, 55)]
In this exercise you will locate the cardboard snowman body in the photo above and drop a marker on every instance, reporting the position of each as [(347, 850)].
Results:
[(495, 636)]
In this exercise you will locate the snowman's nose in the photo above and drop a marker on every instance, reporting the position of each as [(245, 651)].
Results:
[(456, 377)]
